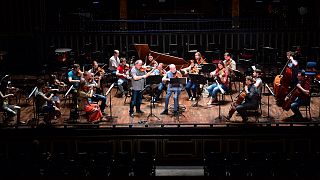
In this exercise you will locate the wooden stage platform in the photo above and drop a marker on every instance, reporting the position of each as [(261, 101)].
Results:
[(199, 115)]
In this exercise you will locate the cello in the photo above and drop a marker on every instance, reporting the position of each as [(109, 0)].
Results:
[(239, 100), (281, 84)]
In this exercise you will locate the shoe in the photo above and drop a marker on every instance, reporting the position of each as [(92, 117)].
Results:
[(141, 112), (104, 113), (190, 98), (165, 112), (193, 99), (131, 115), (175, 113)]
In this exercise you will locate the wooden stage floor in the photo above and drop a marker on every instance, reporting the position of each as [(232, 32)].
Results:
[(200, 115)]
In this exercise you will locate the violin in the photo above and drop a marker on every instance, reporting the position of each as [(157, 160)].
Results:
[(145, 68)]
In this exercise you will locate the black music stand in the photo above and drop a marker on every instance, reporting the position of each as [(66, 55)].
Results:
[(270, 92), (177, 82), (152, 80), (198, 79), (110, 104), (207, 68)]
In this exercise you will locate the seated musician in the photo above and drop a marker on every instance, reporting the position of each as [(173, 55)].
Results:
[(161, 86), (191, 86), (11, 110), (114, 62), (257, 78), (55, 84), (230, 64), (95, 68), (95, 84), (45, 104), (222, 82), (198, 59), (251, 101), (92, 110), (293, 64), (304, 98), (153, 62), (98, 73), (172, 88), (122, 77), (139, 75), (74, 76)]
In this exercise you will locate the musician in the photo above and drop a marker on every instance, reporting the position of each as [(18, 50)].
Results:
[(138, 81), (198, 58), (114, 62), (153, 62), (191, 86), (93, 111), (162, 85), (122, 77), (11, 110), (293, 64), (172, 88), (304, 98), (90, 81), (251, 100), (45, 104), (74, 75), (257, 78), (229, 63), (54, 84), (221, 76)]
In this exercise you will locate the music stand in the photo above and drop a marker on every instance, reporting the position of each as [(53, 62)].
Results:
[(270, 92), (151, 80), (198, 79), (207, 68), (177, 82), (110, 104)]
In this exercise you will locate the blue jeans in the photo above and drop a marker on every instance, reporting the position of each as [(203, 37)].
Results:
[(121, 83), (295, 106), (176, 92), (191, 86), (161, 87), (103, 99), (136, 100), (213, 89)]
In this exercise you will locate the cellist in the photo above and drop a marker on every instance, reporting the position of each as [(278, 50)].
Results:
[(304, 88), (293, 64)]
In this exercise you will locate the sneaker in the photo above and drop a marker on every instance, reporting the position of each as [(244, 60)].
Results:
[(141, 112), (164, 112), (190, 98), (193, 99), (131, 115)]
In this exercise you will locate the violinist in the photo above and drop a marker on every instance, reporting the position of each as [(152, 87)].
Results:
[(251, 101), (122, 77), (153, 62), (172, 88), (230, 64), (222, 82), (98, 73), (303, 98), (138, 82), (257, 78), (93, 84), (54, 84), (198, 59), (191, 86), (45, 104), (114, 62), (74, 75), (161, 86), (11, 110)]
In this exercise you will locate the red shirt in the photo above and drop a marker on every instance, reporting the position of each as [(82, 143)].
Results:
[(121, 71)]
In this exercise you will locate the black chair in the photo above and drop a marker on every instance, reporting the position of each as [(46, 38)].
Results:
[(122, 165), (144, 164), (215, 164), (258, 164), (100, 164)]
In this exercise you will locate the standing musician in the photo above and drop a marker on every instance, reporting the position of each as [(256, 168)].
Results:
[(251, 100), (191, 69), (222, 82), (172, 88), (11, 110), (230, 64), (95, 84), (139, 75), (161, 86), (153, 62), (122, 77), (304, 97)]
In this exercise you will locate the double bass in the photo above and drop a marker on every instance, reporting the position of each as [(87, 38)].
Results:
[(282, 83)]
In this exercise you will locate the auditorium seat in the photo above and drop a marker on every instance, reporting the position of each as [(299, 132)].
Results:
[(144, 164)]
